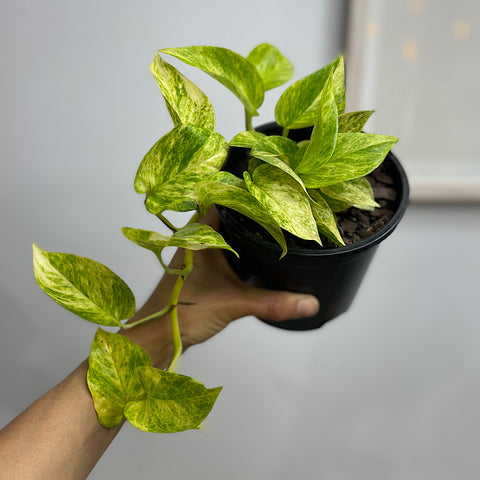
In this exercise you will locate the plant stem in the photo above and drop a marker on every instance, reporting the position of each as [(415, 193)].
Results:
[(160, 313), (167, 222), (177, 339), (248, 121), (285, 132)]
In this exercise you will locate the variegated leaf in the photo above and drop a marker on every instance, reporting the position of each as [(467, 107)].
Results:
[(185, 101), (274, 68), (356, 155), (325, 218), (302, 148), (170, 403), (354, 121), (112, 363), (240, 200), (84, 287), (193, 236), (299, 105), (324, 134), (275, 146), (228, 178), (229, 68), (169, 171), (285, 199), (357, 193), (246, 139)]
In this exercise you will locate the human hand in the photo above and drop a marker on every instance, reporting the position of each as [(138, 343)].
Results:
[(212, 297)]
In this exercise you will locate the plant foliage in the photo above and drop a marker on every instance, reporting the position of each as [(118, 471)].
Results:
[(290, 187)]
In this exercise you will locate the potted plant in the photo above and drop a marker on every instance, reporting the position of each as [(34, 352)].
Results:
[(289, 178)]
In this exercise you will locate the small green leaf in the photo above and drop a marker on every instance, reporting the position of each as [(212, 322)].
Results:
[(357, 193), (240, 200), (354, 121), (185, 101), (299, 105), (84, 287), (274, 68), (325, 218), (356, 155), (229, 68), (169, 171), (246, 139), (170, 402), (193, 236), (285, 199), (112, 363), (324, 134)]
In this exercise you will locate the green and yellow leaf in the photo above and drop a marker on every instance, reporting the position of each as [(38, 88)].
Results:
[(83, 286), (185, 101), (240, 200), (357, 193), (354, 121), (285, 199), (299, 105), (170, 402), (274, 68), (193, 236), (325, 217), (112, 363), (246, 139), (324, 134), (229, 68), (356, 155), (169, 171)]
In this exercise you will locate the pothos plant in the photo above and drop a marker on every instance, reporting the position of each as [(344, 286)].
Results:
[(287, 187)]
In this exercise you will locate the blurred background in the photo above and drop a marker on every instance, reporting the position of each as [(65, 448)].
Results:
[(389, 390)]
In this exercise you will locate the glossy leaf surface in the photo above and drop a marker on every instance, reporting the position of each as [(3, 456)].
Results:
[(185, 101), (193, 236), (285, 199), (325, 218), (246, 139), (83, 286), (229, 68), (354, 121), (170, 402), (356, 155), (274, 68), (324, 134), (112, 363), (357, 193), (299, 105), (169, 171), (240, 200)]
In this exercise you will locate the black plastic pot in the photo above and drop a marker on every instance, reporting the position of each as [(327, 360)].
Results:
[(333, 275)]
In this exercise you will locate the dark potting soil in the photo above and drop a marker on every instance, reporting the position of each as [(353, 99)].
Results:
[(354, 224)]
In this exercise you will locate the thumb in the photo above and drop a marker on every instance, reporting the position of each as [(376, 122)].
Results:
[(279, 305)]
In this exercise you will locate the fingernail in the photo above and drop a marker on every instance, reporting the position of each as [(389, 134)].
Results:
[(307, 307)]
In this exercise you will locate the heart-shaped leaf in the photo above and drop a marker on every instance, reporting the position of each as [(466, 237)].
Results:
[(229, 68), (193, 236), (170, 402), (246, 139), (185, 101), (356, 155), (354, 121), (285, 199), (84, 287), (181, 158), (324, 134), (274, 68), (112, 363), (240, 200), (299, 105), (357, 193)]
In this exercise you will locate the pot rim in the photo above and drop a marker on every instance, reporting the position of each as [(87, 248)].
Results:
[(366, 243)]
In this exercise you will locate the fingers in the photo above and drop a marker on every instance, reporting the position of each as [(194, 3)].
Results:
[(277, 305)]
